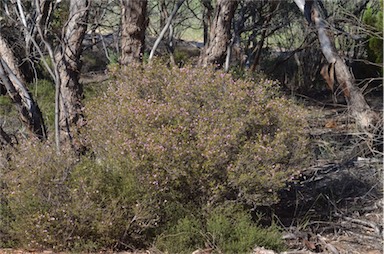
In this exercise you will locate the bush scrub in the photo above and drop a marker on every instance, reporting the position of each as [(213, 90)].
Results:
[(172, 151)]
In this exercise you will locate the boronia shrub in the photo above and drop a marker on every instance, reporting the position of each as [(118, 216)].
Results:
[(196, 138), (167, 146), (199, 136)]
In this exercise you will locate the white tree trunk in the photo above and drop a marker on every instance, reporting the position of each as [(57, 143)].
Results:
[(357, 104), (14, 83), (166, 27)]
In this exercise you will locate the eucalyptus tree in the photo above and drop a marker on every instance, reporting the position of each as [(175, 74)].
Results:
[(134, 22), (70, 93), (337, 70), (12, 79), (58, 49), (215, 50), (167, 26)]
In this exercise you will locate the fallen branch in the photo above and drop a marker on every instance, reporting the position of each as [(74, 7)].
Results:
[(327, 246), (373, 226)]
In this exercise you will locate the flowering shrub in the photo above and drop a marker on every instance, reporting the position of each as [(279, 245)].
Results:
[(199, 133), (167, 147), (33, 188), (196, 138)]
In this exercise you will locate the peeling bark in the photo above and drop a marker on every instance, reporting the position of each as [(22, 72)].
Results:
[(358, 106), (14, 83), (9, 57), (134, 23), (68, 65), (219, 37)]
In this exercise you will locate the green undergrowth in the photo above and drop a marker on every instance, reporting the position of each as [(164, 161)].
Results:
[(373, 17), (43, 91), (226, 229), (6, 106), (176, 159)]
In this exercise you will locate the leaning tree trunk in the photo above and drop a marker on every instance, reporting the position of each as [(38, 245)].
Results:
[(168, 36), (134, 23), (220, 34), (68, 65), (14, 83), (337, 70), (165, 28)]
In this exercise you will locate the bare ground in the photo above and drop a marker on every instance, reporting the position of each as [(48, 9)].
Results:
[(336, 205)]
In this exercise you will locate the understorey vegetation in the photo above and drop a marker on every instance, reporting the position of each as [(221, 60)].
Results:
[(177, 159)]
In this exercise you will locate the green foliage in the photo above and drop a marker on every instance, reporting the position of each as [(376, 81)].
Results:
[(184, 237), (167, 147), (93, 61), (195, 137), (44, 93), (42, 70), (113, 57), (232, 230), (181, 56), (200, 133), (226, 229), (5, 104), (94, 88), (30, 190), (373, 17), (60, 17), (185, 56), (55, 202), (97, 60)]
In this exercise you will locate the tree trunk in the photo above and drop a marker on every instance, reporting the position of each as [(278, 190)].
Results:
[(133, 26), (45, 12), (219, 35), (207, 15), (14, 83), (68, 65), (7, 55), (337, 69), (163, 13)]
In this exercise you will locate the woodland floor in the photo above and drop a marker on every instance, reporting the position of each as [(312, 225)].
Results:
[(336, 205)]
